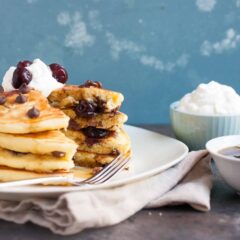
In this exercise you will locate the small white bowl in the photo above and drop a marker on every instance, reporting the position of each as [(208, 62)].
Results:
[(195, 129), (229, 167)]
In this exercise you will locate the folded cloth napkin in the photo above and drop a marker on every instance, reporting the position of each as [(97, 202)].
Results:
[(188, 182)]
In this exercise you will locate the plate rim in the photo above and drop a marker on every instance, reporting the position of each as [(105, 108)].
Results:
[(115, 183)]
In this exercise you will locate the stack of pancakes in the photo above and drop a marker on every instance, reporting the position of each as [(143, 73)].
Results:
[(96, 124), (31, 141)]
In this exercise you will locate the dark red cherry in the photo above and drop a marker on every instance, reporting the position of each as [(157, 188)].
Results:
[(59, 72), (85, 109), (90, 83), (23, 64), (93, 132), (20, 76)]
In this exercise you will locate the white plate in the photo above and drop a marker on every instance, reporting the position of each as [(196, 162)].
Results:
[(152, 153)]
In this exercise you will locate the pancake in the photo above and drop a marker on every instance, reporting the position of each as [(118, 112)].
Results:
[(14, 117), (92, 160), (70, 95), (39, 143), (87, 159), (34, 162), (104, 120), (10, 174), (116, 142)]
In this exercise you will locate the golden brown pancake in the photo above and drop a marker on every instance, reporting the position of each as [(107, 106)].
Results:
[(92, 160), (10, 174), (88, 159), (34, 162), (14, 117), (91, 107), (39, 143), (105, 120), (118, 142), (70, 95)]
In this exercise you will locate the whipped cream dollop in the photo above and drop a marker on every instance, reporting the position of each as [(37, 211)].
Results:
[(42, 79), (211, 99)]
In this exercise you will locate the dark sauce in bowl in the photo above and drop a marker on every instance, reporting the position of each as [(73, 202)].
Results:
[(231, 151)]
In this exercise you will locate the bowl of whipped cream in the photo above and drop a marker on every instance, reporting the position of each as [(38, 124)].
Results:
[(211, 110)]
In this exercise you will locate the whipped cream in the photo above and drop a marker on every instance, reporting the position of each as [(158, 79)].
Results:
[(42, 79), (211, 99)]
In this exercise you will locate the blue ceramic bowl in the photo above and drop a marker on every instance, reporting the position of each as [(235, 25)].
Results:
[(195, 130)]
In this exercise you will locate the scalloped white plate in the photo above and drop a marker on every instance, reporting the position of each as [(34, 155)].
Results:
[(152, 154)]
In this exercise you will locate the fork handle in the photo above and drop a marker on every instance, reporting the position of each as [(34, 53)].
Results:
[(55, 179)]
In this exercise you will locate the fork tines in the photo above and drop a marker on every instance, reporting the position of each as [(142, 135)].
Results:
[(110, 170)]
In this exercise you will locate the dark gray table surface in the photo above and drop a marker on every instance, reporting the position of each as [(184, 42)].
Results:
[(181, 222)]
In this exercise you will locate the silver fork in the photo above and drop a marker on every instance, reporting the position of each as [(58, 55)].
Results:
[(105, 174)]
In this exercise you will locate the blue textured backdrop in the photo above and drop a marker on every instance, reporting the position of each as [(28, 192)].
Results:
[(153, 51)]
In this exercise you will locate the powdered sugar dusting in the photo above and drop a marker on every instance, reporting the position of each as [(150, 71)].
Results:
[(78, 36), (118, 46), (158, 64), (139, 53), (230, 41), (93, 16), (206, 5), (64, 18)]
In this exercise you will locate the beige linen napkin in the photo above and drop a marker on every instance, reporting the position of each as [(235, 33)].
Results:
[(188, 182)]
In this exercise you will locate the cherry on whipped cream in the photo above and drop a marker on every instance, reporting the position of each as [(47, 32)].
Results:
[(59, 72), (20, 76), (23, 64)]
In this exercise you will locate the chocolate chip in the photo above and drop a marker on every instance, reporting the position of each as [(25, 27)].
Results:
[(1, 89), (33, 113), (24, 88), (2, 100), (58, 154), (21, 99)]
